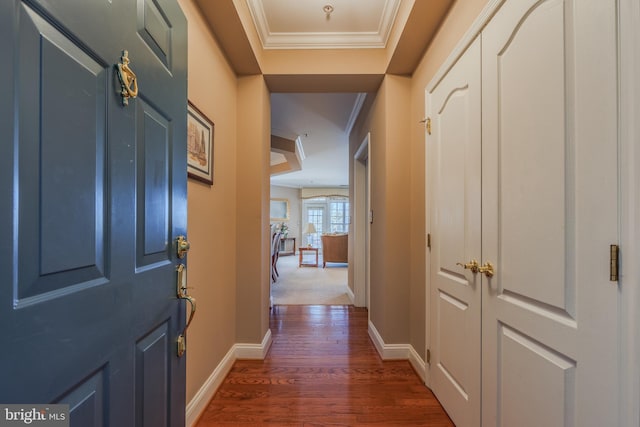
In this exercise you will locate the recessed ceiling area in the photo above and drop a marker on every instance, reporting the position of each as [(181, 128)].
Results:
[(286, 155), (318, 62), (323, 24), (402, 31)]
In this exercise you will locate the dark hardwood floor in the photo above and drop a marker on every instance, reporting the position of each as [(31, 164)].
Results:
[(322, 370)]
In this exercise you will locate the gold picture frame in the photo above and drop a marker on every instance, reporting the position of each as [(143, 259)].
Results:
[(279, 209)]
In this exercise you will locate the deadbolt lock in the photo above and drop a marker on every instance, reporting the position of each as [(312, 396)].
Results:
[(182, 246)]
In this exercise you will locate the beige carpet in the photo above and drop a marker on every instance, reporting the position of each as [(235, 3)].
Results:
[(310, 285)]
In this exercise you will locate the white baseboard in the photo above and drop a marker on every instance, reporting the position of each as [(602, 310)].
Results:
[(397, 352), (418, 364), (254, 351), (351, 295), (199, 403)]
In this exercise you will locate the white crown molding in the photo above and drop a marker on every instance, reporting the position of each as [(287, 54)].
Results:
[(300, 150), (259, 19), (388, 18), (357, 106), (319, 40), (323, 41)]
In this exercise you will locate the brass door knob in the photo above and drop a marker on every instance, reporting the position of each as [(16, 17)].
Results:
[(487, 269), (472, 265)]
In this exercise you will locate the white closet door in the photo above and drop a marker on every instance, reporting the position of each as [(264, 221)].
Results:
[(549, 214), (454, 183)]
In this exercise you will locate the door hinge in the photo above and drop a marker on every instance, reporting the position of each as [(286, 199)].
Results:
[(429, 125), (614, 262), (428, 356), (429, 240)]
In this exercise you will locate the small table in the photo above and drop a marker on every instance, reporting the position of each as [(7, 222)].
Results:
[(302, 250), (285, 248)]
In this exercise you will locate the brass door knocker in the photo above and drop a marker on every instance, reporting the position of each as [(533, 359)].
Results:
[(128, 80)]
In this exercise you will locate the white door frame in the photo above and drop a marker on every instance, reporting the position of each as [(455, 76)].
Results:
[(361, 208), (629, 162)]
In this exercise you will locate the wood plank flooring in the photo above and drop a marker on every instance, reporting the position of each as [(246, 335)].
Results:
[(322, 370)]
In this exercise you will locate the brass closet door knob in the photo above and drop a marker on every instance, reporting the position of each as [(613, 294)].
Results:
[(471, 265), (487, 269)]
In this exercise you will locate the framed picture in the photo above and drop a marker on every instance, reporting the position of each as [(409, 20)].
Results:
[(279, 209), (199, 145)]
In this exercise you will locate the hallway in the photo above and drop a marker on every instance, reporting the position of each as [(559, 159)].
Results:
[(310, 285), (322, 369)]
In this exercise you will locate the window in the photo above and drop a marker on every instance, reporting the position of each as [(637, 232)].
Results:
[(315, 216), (328, 215), (339, 213)]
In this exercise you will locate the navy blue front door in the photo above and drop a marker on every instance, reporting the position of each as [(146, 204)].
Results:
[(92, 197)]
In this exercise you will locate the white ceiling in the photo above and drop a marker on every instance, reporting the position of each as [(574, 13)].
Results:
[(322, 121)]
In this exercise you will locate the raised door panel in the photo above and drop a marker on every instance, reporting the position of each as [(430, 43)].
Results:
[(532, 158), (155, 28), (152, 378), (549, 379), (61, 169), (88, 400), (153, 136), (542, 204), (454, 183)]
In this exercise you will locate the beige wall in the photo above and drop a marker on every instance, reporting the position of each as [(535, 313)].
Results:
[(395, 252), (388, 124), (252, 209), (212, 209), (233, 302), (323, 61)]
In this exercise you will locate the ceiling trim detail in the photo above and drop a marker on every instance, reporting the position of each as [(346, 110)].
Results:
[(323, 40), (357, 106)]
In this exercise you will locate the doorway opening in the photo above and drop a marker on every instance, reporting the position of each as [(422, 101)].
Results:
[(362, 222)]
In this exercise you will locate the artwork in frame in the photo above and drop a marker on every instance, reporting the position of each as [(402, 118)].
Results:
[(279, 209), (199, 145)]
